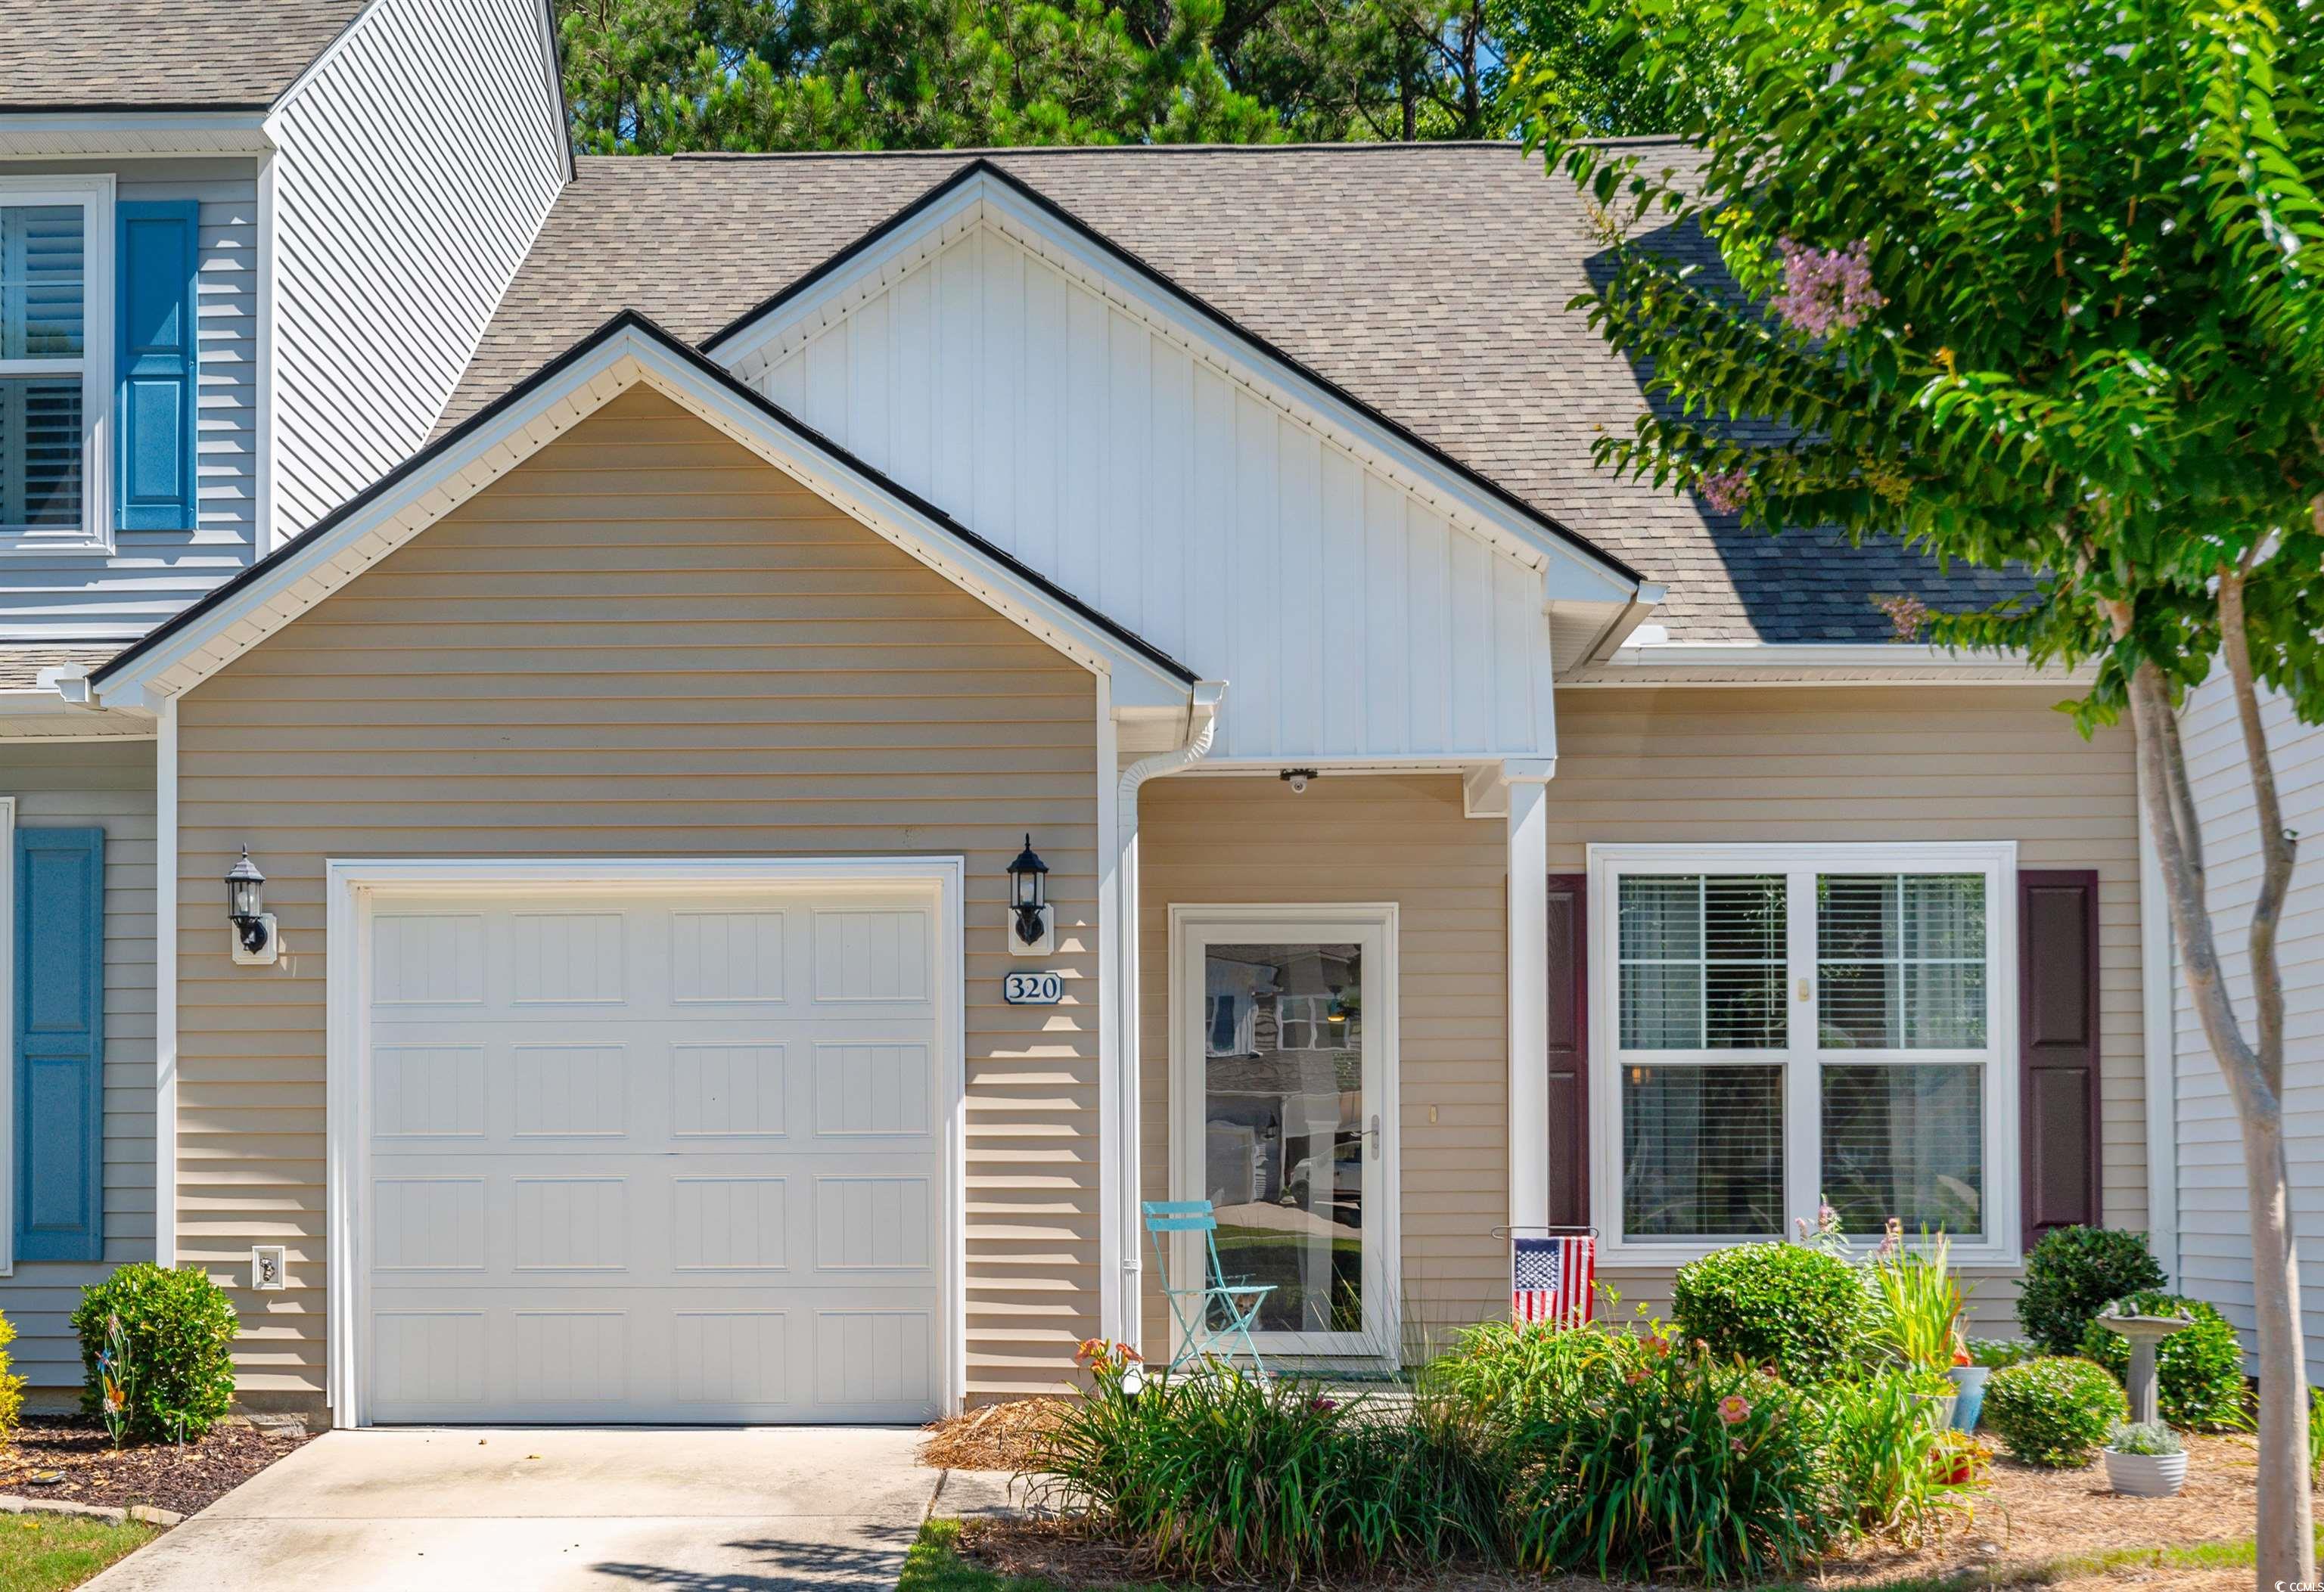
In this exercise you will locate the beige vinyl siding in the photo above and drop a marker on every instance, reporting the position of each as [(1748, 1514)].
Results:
[(78, 786), (1640, 765), (642, 641), (1401, 838)]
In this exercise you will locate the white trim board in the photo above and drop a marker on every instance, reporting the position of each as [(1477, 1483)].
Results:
[(94, 193), (8, 1031), (302, 574), (1800, 1055), (353, 886), (1376, 927)]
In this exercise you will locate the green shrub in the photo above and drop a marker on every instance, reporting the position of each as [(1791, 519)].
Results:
[(1885, 1453), (1503, 1373), (2074, 1273), (1795, 1310), (12, 1387), (1687, 1466), (2054, 1412), (2316, 1435), (154, 1345), (2199, 1370)]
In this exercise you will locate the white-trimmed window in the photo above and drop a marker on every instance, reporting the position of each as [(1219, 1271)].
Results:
[(1795, 1024), (56, 360)]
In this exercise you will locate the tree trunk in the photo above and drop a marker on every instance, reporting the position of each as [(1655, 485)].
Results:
[(2286, 1531)]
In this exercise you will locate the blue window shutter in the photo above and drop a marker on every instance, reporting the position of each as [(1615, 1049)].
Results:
[(60, 1043), (154, 347)]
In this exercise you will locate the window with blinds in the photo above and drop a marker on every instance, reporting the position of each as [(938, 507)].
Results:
[(1790, 1035), (43, 373)]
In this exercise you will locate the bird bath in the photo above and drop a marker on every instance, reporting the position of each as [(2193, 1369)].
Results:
[(2143, 1333)]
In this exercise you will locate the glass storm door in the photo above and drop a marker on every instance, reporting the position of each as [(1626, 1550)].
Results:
[(1280, 1099)]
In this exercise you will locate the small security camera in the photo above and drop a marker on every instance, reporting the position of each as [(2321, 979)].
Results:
[(1297, 778)]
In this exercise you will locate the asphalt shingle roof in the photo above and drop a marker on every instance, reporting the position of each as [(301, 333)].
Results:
[(148, 54), (1429, 281)]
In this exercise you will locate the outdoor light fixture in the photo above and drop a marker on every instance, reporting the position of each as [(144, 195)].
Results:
[(1296, 779), (246, 908), (1028, 891)]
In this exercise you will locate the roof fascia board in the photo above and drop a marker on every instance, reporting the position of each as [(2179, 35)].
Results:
[(329, 52), (272, 592), (134, 132), (1814, 663), (983, 194)]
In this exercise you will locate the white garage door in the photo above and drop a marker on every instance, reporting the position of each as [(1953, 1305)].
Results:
[(633, 1157)]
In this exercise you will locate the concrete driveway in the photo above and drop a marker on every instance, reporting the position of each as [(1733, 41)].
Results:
[(726, 1510)]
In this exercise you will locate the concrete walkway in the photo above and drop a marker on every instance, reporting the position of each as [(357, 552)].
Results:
[(720, 1510)]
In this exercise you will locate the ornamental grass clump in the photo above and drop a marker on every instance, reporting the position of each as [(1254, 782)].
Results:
[(1224, 1476), (1684, 1464), (1800, 1311), (2054, 1412), (1894, 1470)]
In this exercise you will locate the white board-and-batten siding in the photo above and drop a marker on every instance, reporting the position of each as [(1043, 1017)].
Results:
[(153, 574), (416, 163), (1352, 618), (2214, 1250), (81, 786)]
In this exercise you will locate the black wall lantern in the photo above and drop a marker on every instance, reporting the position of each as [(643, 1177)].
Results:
[(1028, 895), (245, 907)]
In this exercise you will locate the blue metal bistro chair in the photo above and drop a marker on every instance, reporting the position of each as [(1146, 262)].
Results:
[(1237, 1302)]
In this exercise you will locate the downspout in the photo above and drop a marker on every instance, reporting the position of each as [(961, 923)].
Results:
[(1201, 724)]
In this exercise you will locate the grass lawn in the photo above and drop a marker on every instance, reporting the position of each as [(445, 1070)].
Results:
[(49, 1552), (935, 1565)]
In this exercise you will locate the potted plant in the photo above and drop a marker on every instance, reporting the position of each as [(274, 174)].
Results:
[(1917, 1310), (2145, 1459), (1974, 1360)]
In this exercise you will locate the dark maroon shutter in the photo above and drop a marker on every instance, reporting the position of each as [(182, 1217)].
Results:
[(1569, 1052), (2057, 1048)]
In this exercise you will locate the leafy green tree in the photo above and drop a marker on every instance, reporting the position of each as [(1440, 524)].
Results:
[(1568, 71), (662, 76), (2033, 284)]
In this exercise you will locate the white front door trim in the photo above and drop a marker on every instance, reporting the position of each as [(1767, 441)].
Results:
[(1373, 925), (354, 888)]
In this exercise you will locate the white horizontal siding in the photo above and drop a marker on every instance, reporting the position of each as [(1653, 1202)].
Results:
[(152, 574), (2214, 1211), (109, 787), (416, 165), (1351, 619)]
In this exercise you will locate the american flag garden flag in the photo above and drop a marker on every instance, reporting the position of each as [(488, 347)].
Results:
[(1550, 1279)]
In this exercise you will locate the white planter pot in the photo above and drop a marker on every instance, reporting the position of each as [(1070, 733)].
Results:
[(2147, 1476)]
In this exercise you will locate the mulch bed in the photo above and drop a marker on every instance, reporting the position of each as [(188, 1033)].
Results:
[(2025, 1529), (998, 1436), (69, 1459)]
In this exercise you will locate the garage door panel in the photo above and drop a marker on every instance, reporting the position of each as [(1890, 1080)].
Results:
[(654, 1160)]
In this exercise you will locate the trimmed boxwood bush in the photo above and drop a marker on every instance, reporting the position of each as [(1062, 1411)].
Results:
[(2199, 1371), (161, 1337), (1796, 1309), (2055, 1412), (2074, 1273)]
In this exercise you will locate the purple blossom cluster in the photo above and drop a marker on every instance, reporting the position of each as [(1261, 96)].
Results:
[(1826, 290), (1725, 491)]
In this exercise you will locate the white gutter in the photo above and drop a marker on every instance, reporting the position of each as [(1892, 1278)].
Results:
[(1643, 601), (1201, 724)]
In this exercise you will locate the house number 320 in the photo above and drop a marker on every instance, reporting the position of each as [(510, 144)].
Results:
[(1033, 988)]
